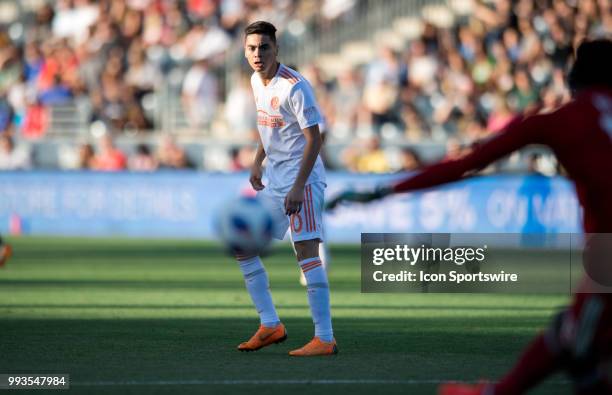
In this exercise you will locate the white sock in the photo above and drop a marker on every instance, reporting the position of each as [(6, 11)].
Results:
[(257, 283), (318, 297)]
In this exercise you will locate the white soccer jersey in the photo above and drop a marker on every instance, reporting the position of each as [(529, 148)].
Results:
[(284, 107)]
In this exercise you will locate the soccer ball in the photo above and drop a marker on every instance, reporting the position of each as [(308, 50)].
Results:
[(244, 225)]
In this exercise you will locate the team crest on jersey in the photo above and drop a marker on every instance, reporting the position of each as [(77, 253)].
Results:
[(272, 121), (275, 103)]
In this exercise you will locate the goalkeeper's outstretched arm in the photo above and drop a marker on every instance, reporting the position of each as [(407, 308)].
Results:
[(520, 132)]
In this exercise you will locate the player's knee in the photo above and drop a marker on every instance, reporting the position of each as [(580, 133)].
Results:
[(554, 336), (306, 249), (246, 257)]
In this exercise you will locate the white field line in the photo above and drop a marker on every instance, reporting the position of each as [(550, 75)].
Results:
[(271, 382)]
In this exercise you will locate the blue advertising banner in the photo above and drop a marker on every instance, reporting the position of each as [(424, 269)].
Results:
[(182, 204), (492, 204)]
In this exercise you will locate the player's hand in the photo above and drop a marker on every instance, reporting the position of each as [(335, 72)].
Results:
[(294, 200), (255, 179), (360, 197)]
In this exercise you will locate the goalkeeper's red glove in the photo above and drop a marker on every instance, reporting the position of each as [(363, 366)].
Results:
[(360, 197)]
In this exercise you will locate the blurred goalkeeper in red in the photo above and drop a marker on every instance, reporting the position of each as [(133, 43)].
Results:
[(580, 134)]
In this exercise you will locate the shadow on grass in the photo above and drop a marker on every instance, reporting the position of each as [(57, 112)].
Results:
[(424, 350), (218, 306), (146, 250), (162, 284)]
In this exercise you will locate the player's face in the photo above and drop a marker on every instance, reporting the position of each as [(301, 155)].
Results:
[(261, 52)]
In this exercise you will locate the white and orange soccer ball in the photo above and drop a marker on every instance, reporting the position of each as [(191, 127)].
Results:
[(244, 225)]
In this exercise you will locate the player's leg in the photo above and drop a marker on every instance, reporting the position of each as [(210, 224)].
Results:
[(302, 278), (257, 282), (536, 363), (271, 330), (5, 252), (579, 340), (306, 231), (325, 260)]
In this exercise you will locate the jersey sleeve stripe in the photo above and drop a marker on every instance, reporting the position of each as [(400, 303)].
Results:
[(292, 73), (291, 80), (286, 75)]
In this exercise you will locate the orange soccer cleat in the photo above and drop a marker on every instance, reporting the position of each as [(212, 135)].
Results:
[(264, 337), (316, 347), (5, 253), (463, 389)]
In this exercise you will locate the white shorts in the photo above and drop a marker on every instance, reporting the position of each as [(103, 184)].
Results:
[(305, 225)]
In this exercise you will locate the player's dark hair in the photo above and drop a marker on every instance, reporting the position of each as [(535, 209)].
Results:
[(263, 28), (593, 65)]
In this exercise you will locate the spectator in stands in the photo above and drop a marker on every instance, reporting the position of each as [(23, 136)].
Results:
[(33, 62), (422, 66), (72, 18), (382, 88), (10, 63), (454, 149), (240, 101), (474, 128), (142, 160), (374, 159), (11, 157), (524, 95), (17, 97), (109, 55), (6, 116), (415, 127), (171, 156), (110, 158), (86, 157), (205, 41), (366, 156), (500, 116), (199, 95), (346, 103), (409, 160), (242, 158), (56, 94), (141, 75)]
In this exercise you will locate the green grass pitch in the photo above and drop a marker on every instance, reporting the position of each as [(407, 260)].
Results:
[(164, 316)]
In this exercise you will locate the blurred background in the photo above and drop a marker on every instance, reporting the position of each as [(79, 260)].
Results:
[(152, 85), (165, 83)]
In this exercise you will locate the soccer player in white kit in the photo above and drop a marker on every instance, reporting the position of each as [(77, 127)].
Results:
[(287, 120)]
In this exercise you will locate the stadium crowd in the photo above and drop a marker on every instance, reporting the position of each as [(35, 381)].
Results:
[(451, 85), (461, 84)]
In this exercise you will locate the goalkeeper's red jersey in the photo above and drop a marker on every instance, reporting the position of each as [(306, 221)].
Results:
[(579, 133)]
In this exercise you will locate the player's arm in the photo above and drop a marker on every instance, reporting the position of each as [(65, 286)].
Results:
[(519, 133), (257, 168), (295, 197), (308, 116)]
